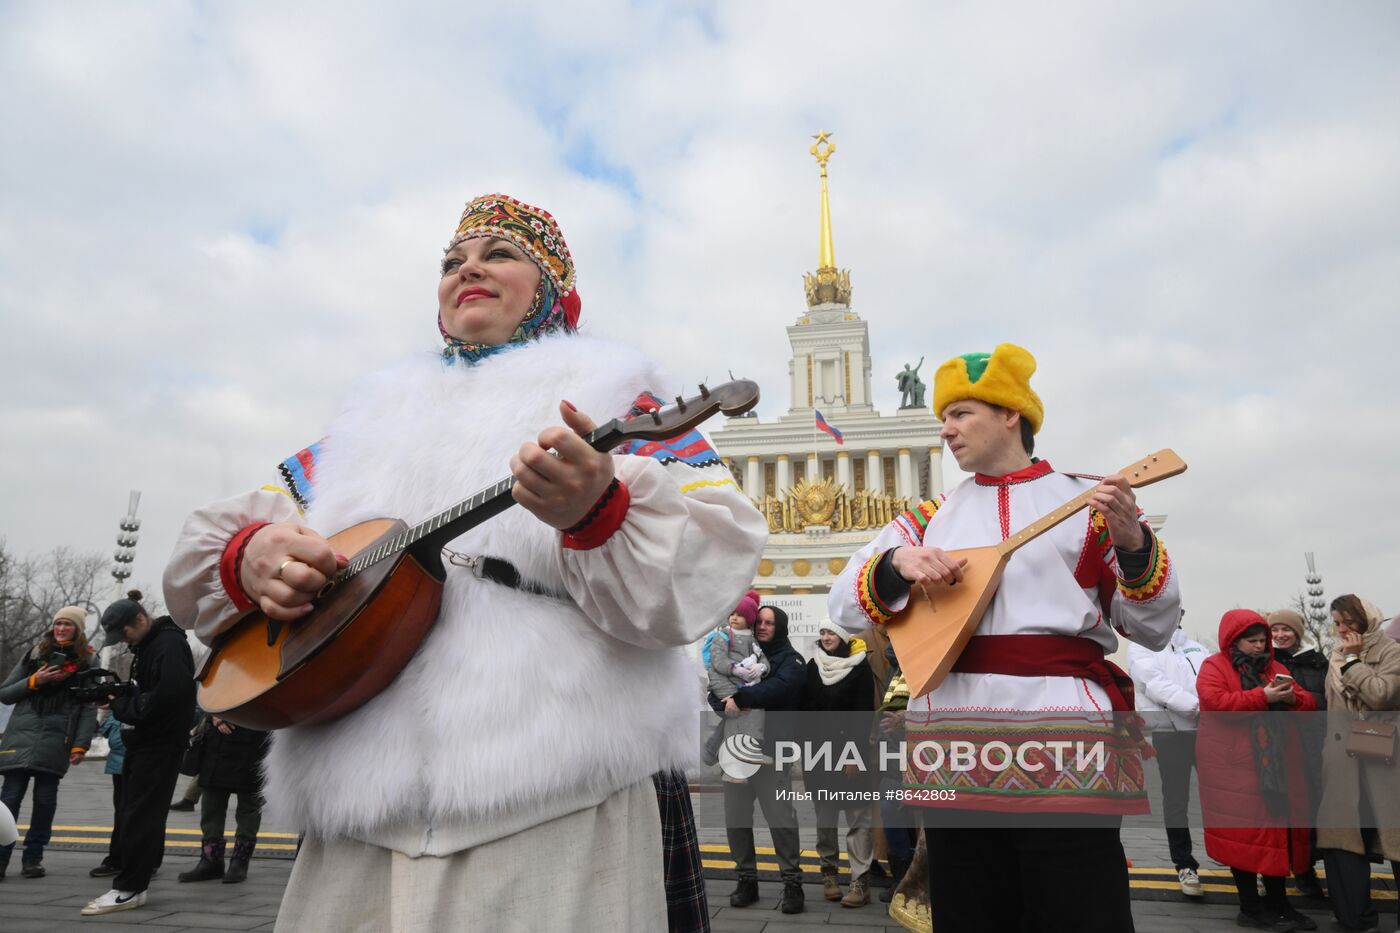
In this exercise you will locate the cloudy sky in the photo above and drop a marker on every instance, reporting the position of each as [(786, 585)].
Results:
[(213, 216)]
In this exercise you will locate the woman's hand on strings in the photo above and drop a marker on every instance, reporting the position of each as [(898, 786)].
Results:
[(559, 477), (923, 565), (284, 567), (1116, 501)]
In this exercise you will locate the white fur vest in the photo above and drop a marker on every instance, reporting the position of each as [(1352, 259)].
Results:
[(516, 708)]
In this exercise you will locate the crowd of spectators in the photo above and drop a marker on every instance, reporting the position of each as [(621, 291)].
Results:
[(1294, 749)]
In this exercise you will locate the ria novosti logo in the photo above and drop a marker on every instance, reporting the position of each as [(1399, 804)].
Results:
[(740, 757)]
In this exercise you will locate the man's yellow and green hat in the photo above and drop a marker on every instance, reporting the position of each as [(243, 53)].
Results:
[(1002, 377)]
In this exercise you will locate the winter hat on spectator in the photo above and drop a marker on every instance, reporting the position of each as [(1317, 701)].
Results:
[(748, 608), (75, 614), (1289, 618)]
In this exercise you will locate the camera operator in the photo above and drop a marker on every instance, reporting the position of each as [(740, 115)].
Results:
[(155, 710)]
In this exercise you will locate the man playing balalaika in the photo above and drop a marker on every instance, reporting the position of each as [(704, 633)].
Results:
[(1040, 834)]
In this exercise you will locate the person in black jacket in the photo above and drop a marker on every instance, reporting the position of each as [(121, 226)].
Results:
[(841, 684), (230, 763), (155, 713), (771, 785), (1309, 670)]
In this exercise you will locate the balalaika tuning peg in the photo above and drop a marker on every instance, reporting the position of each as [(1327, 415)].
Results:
[(704, 392), (680, 403)]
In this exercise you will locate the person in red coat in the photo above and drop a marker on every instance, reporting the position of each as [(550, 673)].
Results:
[(1253, 783)]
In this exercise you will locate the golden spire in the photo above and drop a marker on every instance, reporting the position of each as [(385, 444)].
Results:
[(826, 253), (829, 285)]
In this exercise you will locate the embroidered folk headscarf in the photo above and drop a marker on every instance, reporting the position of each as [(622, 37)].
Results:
[(534, 230)]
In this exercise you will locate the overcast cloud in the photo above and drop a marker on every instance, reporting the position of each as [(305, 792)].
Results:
[(213, 216)]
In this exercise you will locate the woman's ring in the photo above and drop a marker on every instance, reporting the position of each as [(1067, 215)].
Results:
[(283, 566)]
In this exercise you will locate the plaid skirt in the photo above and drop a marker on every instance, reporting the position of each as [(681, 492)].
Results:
[(686, 908)]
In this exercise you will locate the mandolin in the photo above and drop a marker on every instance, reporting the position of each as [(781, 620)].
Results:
[(933, 629), (369, 620)]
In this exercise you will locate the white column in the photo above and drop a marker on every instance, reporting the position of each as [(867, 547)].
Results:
[(814, 467), (843, 469), (874, 471), (904, 483), (753, 478), (784, 474), (935, 471)]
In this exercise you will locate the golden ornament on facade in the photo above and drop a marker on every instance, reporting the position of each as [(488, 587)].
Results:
[(765, 568), (800, 568), (816, 500), (823, 503), (836, 565), (827, 286)]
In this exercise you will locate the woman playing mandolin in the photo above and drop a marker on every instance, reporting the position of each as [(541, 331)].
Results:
[(613, 564)]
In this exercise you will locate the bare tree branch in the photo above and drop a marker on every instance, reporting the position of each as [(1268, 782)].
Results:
[(33, 589)]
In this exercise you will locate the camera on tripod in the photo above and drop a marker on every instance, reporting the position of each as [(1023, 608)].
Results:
[(96, 685)]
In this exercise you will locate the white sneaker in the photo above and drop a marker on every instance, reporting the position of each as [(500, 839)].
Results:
[(114, 900), (1190, 882)]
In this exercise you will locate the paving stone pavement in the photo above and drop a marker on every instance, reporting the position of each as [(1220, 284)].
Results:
[(52, 903)]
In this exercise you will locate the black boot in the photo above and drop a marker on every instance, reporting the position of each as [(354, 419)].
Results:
[(878, 875), (793, 899), (238, 862), (32, 870), (898, 866), (211, 863), (745, 893)]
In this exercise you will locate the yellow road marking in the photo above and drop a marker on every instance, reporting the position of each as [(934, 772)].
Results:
[(169, 830), (722, 864), (173, 843)]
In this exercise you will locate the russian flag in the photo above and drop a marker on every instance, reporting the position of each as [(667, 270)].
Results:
[(822, 425)]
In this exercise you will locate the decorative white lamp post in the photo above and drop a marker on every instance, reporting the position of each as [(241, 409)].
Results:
[(126, 544)]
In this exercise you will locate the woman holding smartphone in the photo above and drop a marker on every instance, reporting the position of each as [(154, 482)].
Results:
[(1359, 819), (1254, 797), (48, 731)]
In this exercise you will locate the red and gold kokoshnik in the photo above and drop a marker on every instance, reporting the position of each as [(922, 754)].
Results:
[(533, 229)]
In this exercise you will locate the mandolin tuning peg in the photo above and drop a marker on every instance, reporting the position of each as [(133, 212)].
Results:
[(680, 403), (656, 416), (704, 392)]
